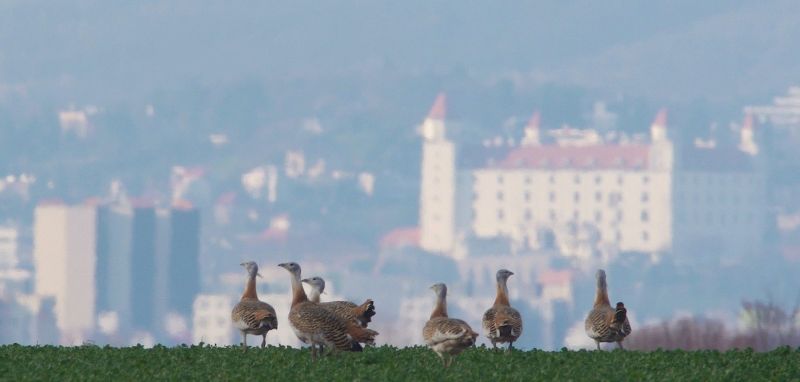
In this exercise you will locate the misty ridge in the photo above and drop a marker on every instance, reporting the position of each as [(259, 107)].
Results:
[(220, 134)]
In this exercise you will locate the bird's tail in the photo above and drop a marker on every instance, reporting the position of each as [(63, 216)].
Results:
[(362, 335), (365, 311)]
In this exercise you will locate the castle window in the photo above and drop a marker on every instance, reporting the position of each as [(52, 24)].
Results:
[(598, 179), (499, 179), (552, 196), (577, 179), (500, 195), (576, 197), (645, 236), (528, 215), (598, 216), (619, 180), (645, 216), (527, 196), (552, 215), (598, 196), (645, 197), (645, 179), (552, 179), (528, 180), (501, 214)]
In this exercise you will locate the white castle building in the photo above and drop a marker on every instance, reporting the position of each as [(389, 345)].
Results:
[(590, 193)]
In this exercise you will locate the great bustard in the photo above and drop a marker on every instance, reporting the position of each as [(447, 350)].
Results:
[(446, 336), (604, 323), (501, 322), (315, 325), (251, 315)]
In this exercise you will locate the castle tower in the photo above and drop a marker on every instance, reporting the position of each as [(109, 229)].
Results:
[(747, 139), (532, 133), (662, 155), (437, 193)]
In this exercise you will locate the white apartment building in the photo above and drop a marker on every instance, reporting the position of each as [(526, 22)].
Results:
[(211, 319), (9, 247), (64, 257), (628, 195)]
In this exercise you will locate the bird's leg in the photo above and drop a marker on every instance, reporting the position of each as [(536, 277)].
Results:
[(441, 356), (494, 345), (510, 346), (619, 343), (449, 360), (244, 341), (598, 344), (313, 352), (263, 340)]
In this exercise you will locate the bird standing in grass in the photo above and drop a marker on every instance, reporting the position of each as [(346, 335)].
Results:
[(502, 323), (446, 336), (251, 315), (361, 314), (604, 323), (316, 325)]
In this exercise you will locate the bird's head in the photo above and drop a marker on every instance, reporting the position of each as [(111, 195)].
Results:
[(292, 267), (620, 305), (504, 274), (440, 289), (601, 278), (317, 283), (251, 267)]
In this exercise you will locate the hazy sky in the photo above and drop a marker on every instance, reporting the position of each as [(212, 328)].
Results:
[(666, 50)]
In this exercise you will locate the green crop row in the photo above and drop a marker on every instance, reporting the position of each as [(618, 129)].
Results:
[(388, 363)]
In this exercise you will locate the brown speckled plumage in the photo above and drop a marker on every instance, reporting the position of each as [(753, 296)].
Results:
[(251, 315), (361, 314), (446, 336), (501, 322), (599, 324), (316, 325)]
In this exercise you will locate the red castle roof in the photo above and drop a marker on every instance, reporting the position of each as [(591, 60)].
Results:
[(535, 120), (661, 118), (581, 157), (401, 237), (439, 108)]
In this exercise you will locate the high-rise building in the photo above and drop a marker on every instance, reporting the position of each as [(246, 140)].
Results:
[(437, 193), (183, 263), (143, 267), (113, 275), (64, 257)]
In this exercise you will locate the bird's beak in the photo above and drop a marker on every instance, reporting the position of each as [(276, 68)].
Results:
[(510, 273), (432, 287), (305, 281), (242, 264), (282, 265)]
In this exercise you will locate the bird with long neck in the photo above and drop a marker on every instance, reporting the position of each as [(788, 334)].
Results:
[(446, 336), (251, 315), (502, 323), (604, 323), (315, 325), (360, 314)]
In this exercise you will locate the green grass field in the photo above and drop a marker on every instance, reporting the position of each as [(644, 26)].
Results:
[(386, 363)]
